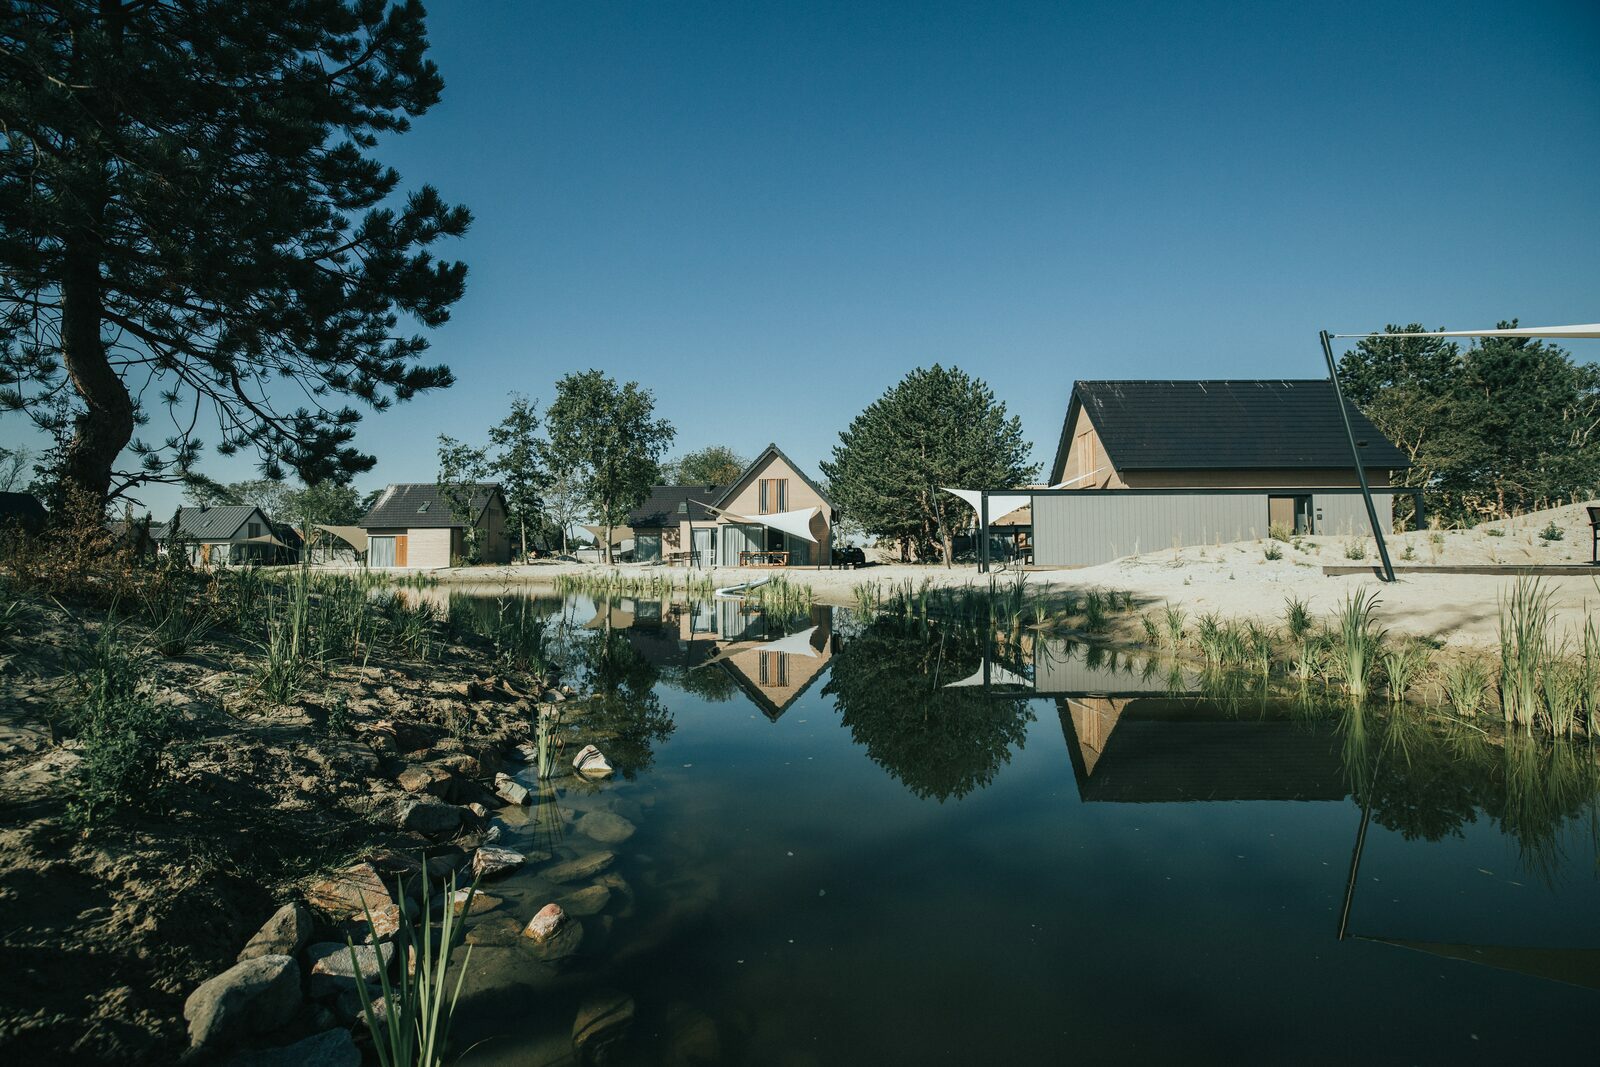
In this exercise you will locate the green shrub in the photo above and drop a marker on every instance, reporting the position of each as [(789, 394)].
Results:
[(126, 741), (1552, 532), (1273, 551)]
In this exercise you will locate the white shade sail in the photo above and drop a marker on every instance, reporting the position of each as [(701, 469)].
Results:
[(998, 504), (998, 675), (1591, 329), (794, 523)]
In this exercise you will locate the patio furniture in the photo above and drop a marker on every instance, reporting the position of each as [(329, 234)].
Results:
[(763, 559)]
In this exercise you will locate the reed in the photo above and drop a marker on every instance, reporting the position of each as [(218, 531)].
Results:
[(1357, 639), (1589, 677), (414, 1030), (1403, 663), (782, 597), (1174, 619), (1466, 686), (1526, 652), (1094, 611), (1297, 617), (1262, 641), (288, 623)]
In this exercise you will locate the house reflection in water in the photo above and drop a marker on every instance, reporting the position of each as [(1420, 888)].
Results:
[(1132, 749), (771, 661)]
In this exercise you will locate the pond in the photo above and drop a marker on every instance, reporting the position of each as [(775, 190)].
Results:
[(867, 841)]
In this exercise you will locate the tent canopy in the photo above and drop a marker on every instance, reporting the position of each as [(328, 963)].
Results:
[(354, 536), (794, 523), (1591, 329), (998, 504)]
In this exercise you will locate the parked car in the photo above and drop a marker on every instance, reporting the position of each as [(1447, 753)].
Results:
[(849, 556)]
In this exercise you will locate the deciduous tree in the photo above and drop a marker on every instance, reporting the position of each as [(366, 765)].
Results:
[(517, 464), (609, 437), (712, 465), (463, 470)]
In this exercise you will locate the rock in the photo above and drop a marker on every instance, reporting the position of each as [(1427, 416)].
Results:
[(582, 868), (257, 996), (415, 779), (425, 814), (481, 902), (605, 827), (554, 936), (603, 1018), (349, 1010), (341, 899), (510, 790), (496, 930), (285, 934), (478, 810), (590, 900), (692, 1038), (333, 971), (544, 925), (331, 1048), (442, 865), (491, 861), (592, 762)]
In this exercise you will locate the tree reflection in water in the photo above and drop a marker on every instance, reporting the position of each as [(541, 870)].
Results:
[(623, 706), (890, 683)]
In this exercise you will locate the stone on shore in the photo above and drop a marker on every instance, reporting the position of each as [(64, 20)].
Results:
[(490, 861), (342, 898), (510, 790), (544, 925), (603, 1018), (257, 996), (424, 814), (554, 936), (592, 762), (333, 971), (582, 868), (481, 902), (285, 934), (606, 828), (331, 1048)]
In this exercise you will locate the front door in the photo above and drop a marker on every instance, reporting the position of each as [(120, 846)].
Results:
[(703, 543)]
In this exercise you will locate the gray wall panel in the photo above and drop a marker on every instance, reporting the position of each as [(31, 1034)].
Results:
[(1082, 529)]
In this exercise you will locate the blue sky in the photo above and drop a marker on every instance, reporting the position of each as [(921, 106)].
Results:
[(768, 213)]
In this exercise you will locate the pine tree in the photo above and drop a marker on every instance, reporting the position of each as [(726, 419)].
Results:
[(190, 212)]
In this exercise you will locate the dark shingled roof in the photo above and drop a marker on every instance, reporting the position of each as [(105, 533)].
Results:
[(420, 505), (661, 508), (212, 524), (1282, 424)]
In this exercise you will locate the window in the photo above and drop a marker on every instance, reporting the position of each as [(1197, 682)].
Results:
[(774, 495), (683, 507), (422, 507), (254, 529)]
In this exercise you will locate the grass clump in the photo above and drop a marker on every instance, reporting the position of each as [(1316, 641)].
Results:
[(1526, 623), (1357, 639), (1273, 551), (1466, 686), (1403, 664), (126, 740), (1552, 532)]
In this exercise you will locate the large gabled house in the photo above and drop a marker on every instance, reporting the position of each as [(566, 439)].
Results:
[(411, 525), (228, 535), (771, 513), (1145, 465)]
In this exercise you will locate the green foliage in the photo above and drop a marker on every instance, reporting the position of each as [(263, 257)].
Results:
[(1273, 551), (607, 439), (463, 472), (190, 209), (716, 465), (1297, 616), (936, 427), (1526, 624), (1508, 425), (414, 1030), (517, 463), (126, 740), (889, 683), (1466, 686), (1402, 664), (1552, 532), (1357, 642)]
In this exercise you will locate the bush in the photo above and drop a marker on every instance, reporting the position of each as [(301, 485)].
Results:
[(1552, 532), (125, 739), (1279, 531), (1272, 551)]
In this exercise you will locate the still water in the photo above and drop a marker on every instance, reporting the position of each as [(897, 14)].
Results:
[(867, 842)]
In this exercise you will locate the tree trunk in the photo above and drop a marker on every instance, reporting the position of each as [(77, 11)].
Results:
[(105, 426), (523, 522), (608, 543)]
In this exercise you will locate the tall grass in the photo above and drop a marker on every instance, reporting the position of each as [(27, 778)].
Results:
[(1357, 639), (1466, 686), (415, 1028), (1403, 663), (1526, 650), (1297, 617), (782, 597)]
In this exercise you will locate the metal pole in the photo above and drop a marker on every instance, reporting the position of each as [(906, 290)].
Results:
[(983, 531), (1355, 453), (1355, 867)]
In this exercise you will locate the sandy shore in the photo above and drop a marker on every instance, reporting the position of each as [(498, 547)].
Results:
[(1236, 579)]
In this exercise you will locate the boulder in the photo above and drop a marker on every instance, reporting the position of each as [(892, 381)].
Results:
[(333, 970), (554, 936), (341, 898), (481, 902), (331, 1048), (510, 790), (590, 900), (257, 996), (606, 827), (424, 814), (590, 761), (415, 779), (491, 861), (581, 869), (603, 1018), (285, 934), (348, 1009)]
